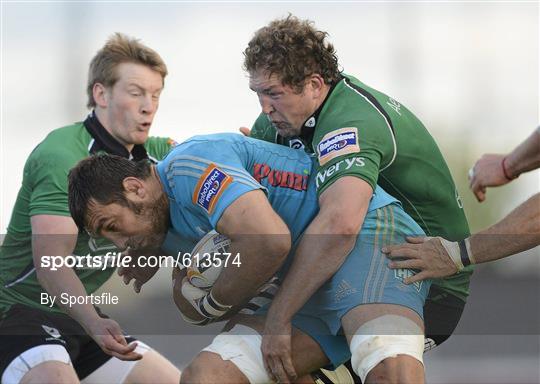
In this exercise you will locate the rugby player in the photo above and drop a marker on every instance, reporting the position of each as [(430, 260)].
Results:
[(62, 343), (517, 232), (263, 197), (308, 103)]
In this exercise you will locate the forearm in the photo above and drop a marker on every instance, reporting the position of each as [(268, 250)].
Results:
[(316, 260), (517, 232), (525, 157), (260, 258), (326, 243), (57, 235)]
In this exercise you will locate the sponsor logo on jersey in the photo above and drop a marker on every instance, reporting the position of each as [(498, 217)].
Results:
[(337, 143), (211, 185), (281, 179), (402, 274), (342, 165)]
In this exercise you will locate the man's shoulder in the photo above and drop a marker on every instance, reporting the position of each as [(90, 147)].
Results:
[(351, 100), (67, 145), (354, 106), (66, 139)]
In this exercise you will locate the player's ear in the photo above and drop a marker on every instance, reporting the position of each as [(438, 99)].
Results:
[(134, 189), (100, 95), (316, 83)]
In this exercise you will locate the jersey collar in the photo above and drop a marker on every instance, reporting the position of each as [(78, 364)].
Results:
[(104, 141), (308, 128)]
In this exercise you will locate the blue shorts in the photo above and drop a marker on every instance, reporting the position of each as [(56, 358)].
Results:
[(364, 278)]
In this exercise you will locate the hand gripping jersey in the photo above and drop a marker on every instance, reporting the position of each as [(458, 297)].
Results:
[(391, 148), (44, 192), (206, 174)]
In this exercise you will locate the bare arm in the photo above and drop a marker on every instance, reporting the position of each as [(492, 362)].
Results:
[(494, 170), (261, 238), (517, 232), (57, 236), (525, 157), (325, 244), (323, 249)]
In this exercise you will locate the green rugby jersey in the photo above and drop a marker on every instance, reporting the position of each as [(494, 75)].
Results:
[(359, 131), (44, 191)]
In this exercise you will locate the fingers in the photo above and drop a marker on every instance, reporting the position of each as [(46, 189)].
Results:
[(191, 292), (245, 131), (137, 285), (480, 194), (117, 346), (406, 264), (277, 373), (287, 364), (417, 277), (268, 368), (400, 251), (277, 358), (127, 278), (417, 240), (478, 189), (122, 352)]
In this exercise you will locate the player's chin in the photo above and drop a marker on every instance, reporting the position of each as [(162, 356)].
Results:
[(284, 132), (284, 129), (140, 137)]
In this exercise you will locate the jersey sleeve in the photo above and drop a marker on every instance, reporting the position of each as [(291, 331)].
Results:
[(262, 129), (45, 174), (158, 147), (205, 188), (356, 148)]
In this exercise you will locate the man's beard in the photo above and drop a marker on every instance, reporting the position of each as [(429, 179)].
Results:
[(285, 129), (157, 213)]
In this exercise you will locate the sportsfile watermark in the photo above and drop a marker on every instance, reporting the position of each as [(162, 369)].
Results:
[(499, 300), (118, 260)]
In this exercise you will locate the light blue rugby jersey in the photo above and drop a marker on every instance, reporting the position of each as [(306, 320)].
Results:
[(205, 174)]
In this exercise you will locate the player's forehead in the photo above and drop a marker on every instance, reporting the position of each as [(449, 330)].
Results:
[(262, 80), (139, 76)]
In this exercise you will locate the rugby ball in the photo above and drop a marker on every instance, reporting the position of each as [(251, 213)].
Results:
[(207, 260)]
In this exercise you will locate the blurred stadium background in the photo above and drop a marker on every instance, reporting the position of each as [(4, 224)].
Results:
[(469, 70)]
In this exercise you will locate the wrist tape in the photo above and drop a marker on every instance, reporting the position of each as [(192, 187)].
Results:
[(459, 252)]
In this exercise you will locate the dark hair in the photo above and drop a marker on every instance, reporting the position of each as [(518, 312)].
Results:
[(99, 179), (293, 49), (117, 50)]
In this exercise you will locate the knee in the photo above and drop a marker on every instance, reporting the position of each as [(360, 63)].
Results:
[(189, 375), (394, 370), (50, 372), (202, 371), (143, 371), (193, 373)]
